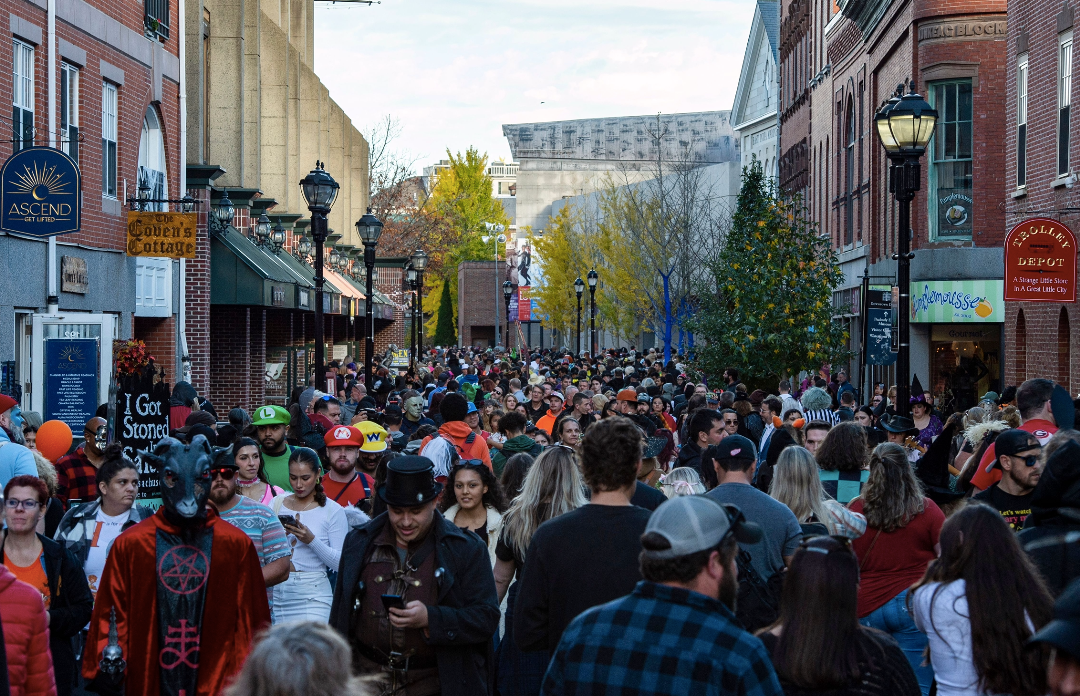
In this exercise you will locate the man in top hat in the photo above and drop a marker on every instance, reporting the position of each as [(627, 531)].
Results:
[(897, 430), (415, 595)]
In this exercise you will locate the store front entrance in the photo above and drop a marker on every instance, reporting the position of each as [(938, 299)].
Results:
[(965, 363)]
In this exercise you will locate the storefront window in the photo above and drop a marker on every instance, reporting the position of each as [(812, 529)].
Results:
[(950, 168), (152, 169), (965, 363)]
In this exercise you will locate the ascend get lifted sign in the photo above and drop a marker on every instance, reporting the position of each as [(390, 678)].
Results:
[(1040, 262)]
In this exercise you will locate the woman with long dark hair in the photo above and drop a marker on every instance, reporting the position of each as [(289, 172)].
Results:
[(978, 604), (473, 499), (900, 541), (251, 478), (817, 644), (316, 529)]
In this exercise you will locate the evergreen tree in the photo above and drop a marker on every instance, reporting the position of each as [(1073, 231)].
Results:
[(767, 306), (445, 333)]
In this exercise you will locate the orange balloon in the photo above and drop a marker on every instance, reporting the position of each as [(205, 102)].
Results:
[(53, 439)]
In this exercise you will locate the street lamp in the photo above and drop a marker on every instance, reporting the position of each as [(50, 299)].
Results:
[(419, 262), (410, 278), (592, 278), (508, 292), (262, 230), (369, 228), (498, 237), (320, 191), (304, 247), (905, 125), (579, 287), (222, 215), (277, 236)]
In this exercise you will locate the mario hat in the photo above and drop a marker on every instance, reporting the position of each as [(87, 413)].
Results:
[(373, 436), (271, 415), (344, 436)]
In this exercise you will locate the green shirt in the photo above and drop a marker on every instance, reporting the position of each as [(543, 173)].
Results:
[(276, 468)]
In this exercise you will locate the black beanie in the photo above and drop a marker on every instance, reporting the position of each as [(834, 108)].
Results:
[(454, 407)]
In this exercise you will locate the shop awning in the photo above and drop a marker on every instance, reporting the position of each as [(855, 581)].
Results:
[(306, 293), (381, 306), (351, 298), (242, 273)]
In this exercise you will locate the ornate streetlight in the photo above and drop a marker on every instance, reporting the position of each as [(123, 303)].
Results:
[(222, 214), (262, 230), (592, 278), (410, 278), (579, 287), (419, 262), (277, 236), (905, 125), (320, 191), (369, 228), (508, 292)]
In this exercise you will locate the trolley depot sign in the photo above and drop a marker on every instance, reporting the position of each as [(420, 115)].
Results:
[(1040, 262)]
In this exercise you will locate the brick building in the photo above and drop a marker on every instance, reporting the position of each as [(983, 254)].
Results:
[(105, 88), (1041, 156), (839, 63)]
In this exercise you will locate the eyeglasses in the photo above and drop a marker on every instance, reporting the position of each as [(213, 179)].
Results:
[(28, 504), (225, 472)]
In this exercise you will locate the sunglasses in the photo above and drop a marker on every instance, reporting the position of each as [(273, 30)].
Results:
[(1029, 461), (225, 472)]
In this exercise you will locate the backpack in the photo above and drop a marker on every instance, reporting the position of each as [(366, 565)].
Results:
[(444, 453), (757, 603)]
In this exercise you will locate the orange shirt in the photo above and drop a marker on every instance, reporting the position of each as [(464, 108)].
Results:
[(349, 493), (548, 421), (33, 575)]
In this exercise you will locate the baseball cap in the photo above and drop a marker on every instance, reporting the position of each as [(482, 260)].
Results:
[(1014, 441), (471, 408), (373, 436), (1063, 632), (271, 415), (343, 436), (733, 447), (687, 524), (557, 395), (627, 395)]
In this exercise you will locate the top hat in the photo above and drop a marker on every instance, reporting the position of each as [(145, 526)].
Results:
[(410, 482), (898, 424)]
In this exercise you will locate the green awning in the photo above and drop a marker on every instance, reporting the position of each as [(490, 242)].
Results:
[(242, 273)]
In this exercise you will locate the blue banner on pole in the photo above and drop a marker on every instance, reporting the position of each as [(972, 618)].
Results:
[(879, 324), (71, 380), (39, 193)]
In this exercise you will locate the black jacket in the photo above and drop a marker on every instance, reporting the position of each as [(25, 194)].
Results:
[(70, 607), (1051, 534), (690, 455), (466, 617)]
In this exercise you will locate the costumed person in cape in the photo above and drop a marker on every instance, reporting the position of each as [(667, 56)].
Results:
[(185, 588)]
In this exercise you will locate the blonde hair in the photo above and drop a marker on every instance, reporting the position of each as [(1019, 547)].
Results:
[(552, 487), (797, 485), (682, 481)]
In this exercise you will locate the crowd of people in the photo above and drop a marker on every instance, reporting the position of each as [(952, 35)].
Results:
[(494, 523)]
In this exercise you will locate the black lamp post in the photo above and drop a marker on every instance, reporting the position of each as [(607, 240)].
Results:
[(320, 191), (410, 278), (369, 228), (222, 215), (508, 292), (579, 287), (905, 125), (592, 277), (262, 230), (419, 262)]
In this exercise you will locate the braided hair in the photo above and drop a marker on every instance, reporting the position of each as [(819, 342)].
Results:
[(310, 458)]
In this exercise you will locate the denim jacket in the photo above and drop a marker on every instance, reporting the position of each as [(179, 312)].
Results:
[(76, 529)]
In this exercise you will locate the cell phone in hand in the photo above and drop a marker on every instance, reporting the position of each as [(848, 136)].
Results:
[(287, 520), (392, 601)]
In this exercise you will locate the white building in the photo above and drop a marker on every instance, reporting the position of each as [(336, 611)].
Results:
[(754, 113)]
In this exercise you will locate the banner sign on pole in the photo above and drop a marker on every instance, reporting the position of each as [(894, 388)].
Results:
[(39, 193), (142, 414), (879, 320), (524, 303), (1040, 262), (169, 235), (71, 380)]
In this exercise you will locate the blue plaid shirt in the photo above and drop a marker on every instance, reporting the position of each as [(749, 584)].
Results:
[(662, 641)]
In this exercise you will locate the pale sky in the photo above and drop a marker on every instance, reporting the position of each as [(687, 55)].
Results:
[(454, 71)]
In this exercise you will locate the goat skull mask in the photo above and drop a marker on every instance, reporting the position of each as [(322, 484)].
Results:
[(185, 475)]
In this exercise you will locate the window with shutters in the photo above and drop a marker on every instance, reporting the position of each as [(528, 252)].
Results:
[(153, 287), (69, 110), (108, 139), (22, 75)]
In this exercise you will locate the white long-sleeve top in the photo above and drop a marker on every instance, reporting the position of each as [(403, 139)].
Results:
[(328, 523)]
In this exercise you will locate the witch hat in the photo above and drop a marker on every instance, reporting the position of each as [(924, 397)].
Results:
[(918, 395)]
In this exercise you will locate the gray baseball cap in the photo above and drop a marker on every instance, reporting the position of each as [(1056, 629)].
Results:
[(693, 523)]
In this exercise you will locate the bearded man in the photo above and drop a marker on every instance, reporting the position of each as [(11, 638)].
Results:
[(184, 588)]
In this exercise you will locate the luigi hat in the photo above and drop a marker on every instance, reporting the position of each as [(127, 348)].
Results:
[(410, 482), (271, 415)]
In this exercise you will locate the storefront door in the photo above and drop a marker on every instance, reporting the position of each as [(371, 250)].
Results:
[(965, 363)]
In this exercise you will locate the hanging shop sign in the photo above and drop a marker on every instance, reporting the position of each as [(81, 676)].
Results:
[(71, 380), (39, 193), (957, 301), (399, 359), (524, 303), (1040, 262), (164, 235), (142, 416), (879, 325)]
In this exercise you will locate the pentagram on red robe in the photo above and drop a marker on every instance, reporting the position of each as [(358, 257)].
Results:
[(183, 569)]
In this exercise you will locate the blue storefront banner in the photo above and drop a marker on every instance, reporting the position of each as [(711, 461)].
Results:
[(71, 380), (40, 189), (879, 325)]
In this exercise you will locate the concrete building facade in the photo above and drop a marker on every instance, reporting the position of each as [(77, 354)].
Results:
[(754, 115)]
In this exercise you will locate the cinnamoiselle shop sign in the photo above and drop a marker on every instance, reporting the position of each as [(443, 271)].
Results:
[(1040, 262), (170, 235)]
